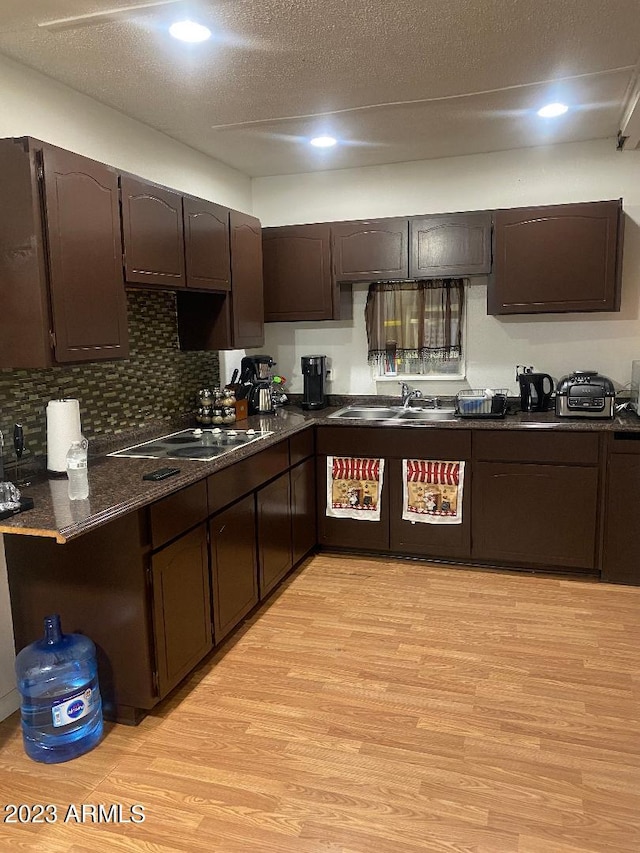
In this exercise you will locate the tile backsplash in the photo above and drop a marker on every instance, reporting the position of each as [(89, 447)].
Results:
[(156, 382)]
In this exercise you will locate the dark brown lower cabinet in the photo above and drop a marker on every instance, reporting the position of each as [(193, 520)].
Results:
[(620, 562), (303, 509), (391, 532), (147, 587), (348, 532), (448, 541), (537, 515), (181, 607), (99, 584), (233, 564), (273, 504)]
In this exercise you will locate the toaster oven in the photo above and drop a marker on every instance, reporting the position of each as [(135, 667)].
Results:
[(585, 394)]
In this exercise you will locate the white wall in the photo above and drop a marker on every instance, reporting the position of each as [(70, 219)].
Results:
[(36, 105), (555, 344)]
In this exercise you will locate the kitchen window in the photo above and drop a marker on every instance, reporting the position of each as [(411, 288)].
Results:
[(415, 328)]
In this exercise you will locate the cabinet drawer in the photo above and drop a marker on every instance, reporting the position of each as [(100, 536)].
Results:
[(176, 513), (624, 442), (394, 442), (232, 483), (301, 446), (563, 448)]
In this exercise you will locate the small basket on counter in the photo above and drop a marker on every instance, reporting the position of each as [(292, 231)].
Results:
[(482, 403)]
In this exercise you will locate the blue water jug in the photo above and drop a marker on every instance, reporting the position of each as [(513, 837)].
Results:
[(60, 698)]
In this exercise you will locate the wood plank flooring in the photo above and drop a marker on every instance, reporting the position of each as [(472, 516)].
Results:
[(377, 706)]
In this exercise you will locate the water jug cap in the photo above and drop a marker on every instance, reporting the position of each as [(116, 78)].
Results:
[(52, 629)]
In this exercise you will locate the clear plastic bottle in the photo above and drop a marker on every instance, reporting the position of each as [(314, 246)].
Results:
[(77, 470), (60, 697)]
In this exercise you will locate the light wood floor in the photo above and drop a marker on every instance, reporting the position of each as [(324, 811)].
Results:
[(378, 707)]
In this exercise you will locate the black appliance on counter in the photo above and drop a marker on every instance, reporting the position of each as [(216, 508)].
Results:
[(536, 390), (256, 383), (314, 371), (585, 394)]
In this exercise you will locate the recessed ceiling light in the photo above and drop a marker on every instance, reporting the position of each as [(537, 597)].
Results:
[(553, 110), (323, 141), (189, 31)]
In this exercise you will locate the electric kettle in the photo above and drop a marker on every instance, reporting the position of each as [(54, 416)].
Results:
[(535, 390), (260, 398)]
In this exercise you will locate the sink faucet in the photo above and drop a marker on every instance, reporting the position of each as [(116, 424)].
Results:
[(409, 394)]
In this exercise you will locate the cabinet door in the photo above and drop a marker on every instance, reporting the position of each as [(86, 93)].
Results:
[(88, 300), (274, 532), (449, 541), (370, 250), (206, 245), (247, 302), (98, 583), (182, 607), (347, 532), (457, 244), (620, 563), (562, 258), (153, 234), (297, 273), (303, 509), (233, 564), (537, 515)]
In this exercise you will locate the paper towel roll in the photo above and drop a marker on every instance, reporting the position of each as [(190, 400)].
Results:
[(63, 427)]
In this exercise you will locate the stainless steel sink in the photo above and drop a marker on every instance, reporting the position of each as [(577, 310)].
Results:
[(443, 414), (366, 413), (394, 415)]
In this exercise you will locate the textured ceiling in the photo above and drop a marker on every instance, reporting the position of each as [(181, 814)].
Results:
[(395, 80)]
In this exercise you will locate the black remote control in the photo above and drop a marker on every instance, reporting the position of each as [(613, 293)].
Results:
[(160, 474)]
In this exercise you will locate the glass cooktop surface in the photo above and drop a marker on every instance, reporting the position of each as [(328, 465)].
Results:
[(198, 444)]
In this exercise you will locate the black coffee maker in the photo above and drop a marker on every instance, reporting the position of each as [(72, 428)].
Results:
[(314, 371), (255, 381), (535, 390)]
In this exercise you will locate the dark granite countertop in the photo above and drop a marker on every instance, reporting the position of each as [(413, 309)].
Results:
[(116, 486)]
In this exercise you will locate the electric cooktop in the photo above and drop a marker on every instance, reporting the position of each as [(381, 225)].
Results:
[(195, 444)]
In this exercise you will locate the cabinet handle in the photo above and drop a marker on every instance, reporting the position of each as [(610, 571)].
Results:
[(520, 474), (626, 436)]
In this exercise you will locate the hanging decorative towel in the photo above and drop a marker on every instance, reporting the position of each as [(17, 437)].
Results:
[(354, 487), (432, 491)]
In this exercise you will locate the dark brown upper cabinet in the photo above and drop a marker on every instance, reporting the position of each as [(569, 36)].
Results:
[(298, 284), (206, 244), (61, 283), (370, 250), (152, 228), (557, 258), (247, 297), (234, 320), (451, 245)]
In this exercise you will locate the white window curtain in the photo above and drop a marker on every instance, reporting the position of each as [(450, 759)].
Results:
[(415, 327)]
